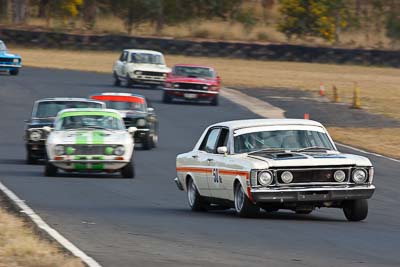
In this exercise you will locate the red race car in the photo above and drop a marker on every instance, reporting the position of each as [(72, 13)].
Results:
[(193, 83)]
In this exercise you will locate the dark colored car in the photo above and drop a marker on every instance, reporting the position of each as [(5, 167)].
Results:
[(9, 62), (43, 114), (192, 83), (136, 112)]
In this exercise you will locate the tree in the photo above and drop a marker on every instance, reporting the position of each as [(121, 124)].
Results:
[(319, 18), (132, 12)]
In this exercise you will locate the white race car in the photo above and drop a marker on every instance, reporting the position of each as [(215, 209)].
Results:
[(90, 140), (136, 66), (273, 164)]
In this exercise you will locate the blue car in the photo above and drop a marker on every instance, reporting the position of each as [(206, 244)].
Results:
[(9, 62)]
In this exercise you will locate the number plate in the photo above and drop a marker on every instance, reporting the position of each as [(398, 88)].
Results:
[(190, 96)]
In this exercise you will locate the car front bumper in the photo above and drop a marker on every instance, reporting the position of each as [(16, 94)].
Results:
[(9, 66), (89, 165), (313, 194), (145, 79), (189, 94)]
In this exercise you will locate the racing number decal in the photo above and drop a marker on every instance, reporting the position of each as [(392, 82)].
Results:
[(217, 178)]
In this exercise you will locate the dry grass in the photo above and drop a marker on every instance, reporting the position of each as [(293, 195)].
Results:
[(20, 246), (387, 143), (380, 87)]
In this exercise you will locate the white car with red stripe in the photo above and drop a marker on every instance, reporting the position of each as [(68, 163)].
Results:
[(271, 164)]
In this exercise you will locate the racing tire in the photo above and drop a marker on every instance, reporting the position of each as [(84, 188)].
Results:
[(195, 200), (356, 210), (128, 171), (117, 81), (215, 101), (129, 82), (243, 206), (14, 72), (166, 98), (50, 170), (154, 140), (147, 142), (29, 159)]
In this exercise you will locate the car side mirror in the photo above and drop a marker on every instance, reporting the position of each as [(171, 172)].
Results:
[(218, 78), (222, 150), (47, 129), (150, 110), (132, 130)]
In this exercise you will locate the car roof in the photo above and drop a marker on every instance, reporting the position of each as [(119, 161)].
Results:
[(66, 99), (89, 110), (240, 124), (143, 51), (193, 65), (118, 94), (120, 97)]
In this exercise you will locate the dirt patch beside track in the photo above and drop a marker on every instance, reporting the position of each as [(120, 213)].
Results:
[(20, 246)]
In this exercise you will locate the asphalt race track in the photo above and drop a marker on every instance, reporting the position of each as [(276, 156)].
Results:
[(146, 221)]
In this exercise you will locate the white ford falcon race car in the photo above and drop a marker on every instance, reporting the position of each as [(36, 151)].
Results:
[(90, 140), (136, 66), (273, 164)]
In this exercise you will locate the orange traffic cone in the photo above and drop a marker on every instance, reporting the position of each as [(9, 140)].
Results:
[(321, 89)]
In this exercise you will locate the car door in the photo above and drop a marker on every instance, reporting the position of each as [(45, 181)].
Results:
[(120, 64), (204, 159), (217, 162)]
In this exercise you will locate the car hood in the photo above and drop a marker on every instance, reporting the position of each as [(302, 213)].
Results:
[(293, 159), (8, 55), (150, 67), (177, 79), (39, 123), (89, 137)]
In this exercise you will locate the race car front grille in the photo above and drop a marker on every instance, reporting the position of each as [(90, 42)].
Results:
[(129, 122), (152, 73), (6, 60), (89, 149), (301, 176), (193, 86)]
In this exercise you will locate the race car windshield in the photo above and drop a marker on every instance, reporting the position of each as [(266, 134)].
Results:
[(48, 109), (281, 140), (89, 121), (125, 105), (3, 47), (144, 58), (200, 72)]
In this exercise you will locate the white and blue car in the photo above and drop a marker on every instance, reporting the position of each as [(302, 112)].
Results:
[(10, 63)]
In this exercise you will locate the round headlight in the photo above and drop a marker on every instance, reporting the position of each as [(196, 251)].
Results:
[(287, 177), (141, 122), (339, 176), (70, 150), (265, 178), (138, 72), (176, 85), (359, 176), (15, 60), (59, 150), (205, 87), (119, 150), (35, 135)]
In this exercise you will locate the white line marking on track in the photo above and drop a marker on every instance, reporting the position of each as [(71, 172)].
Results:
[(41, 224), (265, 109)]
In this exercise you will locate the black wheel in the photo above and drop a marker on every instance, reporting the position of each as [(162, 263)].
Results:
[(166, 98), (117, 81), (14, 72), (147, 142), (215, 101), (356, 210), (30, 159), (196, 201), (243, 206), (50, 169), (154, 140), (129, 81), (128, 171)]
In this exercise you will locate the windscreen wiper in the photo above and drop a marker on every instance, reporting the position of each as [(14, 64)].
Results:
[(312, 148), (268, 150)]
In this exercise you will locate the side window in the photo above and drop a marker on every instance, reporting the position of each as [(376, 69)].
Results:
[(121, 58), (210, 141), (223, 138), (124, 56)]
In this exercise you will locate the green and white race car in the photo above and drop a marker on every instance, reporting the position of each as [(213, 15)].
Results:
[(90, 140)]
